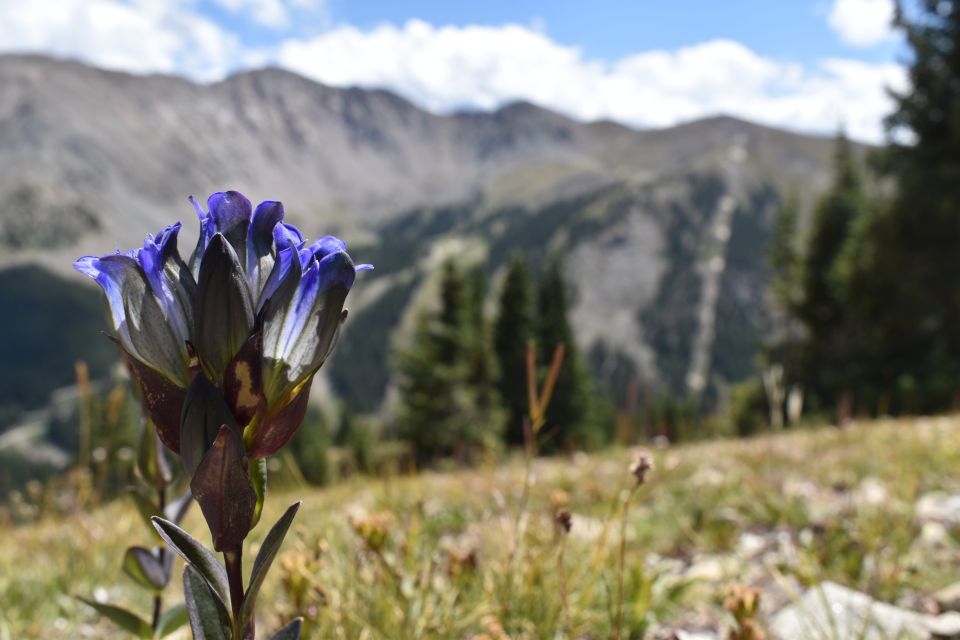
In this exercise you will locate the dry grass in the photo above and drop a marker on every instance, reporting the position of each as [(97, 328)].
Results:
[(427, 556)]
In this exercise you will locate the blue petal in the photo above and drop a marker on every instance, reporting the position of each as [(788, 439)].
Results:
[(320, 277), (337, 268), (207, 229), (167, 239), (229, 209), (152, 259), (94, 267), (136, 316), (287, 252), (285, 234), (260, 255), (364, 267)]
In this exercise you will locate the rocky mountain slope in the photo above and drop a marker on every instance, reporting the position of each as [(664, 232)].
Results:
[(664, 231)]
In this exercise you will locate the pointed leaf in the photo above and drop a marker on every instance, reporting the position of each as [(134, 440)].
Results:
[(162, 399), (204, 410), (269, 438), (209, 619), (197, 555), (151, 463), (145, 568), (222, 487), (268, 551), (242, 384), (171, 620), (121, 617), (177, 509), (224, 312), (290, 632), (258, 478), (145, 506)]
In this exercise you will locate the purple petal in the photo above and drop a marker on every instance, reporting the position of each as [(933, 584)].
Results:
[(229, 209), (260, 254), (110, 276)]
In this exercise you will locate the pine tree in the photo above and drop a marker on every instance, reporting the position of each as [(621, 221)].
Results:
[(570, 421), (512, 330), (823, 308), (447, 407), (904, 271)]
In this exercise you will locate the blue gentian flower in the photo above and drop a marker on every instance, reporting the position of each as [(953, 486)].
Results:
[(255, 310)]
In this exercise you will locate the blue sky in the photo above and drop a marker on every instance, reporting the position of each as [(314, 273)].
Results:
[(810, 65)]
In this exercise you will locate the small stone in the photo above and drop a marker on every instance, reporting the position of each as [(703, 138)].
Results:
[(948, 598), (848, 613), (711, 569), (871, 493), (939, 507)]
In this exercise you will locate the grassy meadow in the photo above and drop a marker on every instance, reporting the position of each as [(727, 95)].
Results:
[(436, 555)]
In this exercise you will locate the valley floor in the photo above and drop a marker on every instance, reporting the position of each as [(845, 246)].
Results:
[(434, 556)]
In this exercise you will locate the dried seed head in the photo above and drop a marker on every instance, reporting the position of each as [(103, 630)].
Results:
[(641, 465), (559, 499), (564, 520)]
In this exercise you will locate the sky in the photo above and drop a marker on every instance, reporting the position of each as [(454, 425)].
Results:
[(805, 65)]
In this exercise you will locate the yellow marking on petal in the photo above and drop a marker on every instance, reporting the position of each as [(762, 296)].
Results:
[(245, 396)]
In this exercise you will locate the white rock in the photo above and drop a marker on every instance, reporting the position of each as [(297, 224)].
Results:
[(938, 507), (871, 493), (834, 611)]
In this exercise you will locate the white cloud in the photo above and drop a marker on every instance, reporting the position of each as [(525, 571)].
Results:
[(140, 36), (446, 68), (482, 67), (862, 23)]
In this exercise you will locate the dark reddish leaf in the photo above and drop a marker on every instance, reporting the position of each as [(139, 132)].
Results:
[(162, 399), (223, 489), (270, 437), (242, 384), (204, 411)]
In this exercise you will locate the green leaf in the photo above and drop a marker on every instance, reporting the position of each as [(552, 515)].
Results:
[(290, 632), (199, 557), (145, 506), (171, 620), (258, 478), (151, 463), (268, 551), (121, 617), (208, 616), (145, 569), (222, 487)]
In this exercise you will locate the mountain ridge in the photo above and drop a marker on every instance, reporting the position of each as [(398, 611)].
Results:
[(665, 229)]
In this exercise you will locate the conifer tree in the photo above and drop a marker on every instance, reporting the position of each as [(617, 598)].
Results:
[(445, 382), (823, 309), (570, 421), (512, 330), (904, 279)]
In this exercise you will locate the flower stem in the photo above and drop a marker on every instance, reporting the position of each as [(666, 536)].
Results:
[(233, 559), (622, 561), (158, 596)]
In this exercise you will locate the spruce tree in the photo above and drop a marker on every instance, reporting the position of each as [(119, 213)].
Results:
[(513, 329), (445, 379), (823, 308), (904, 271), (570, 423)]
